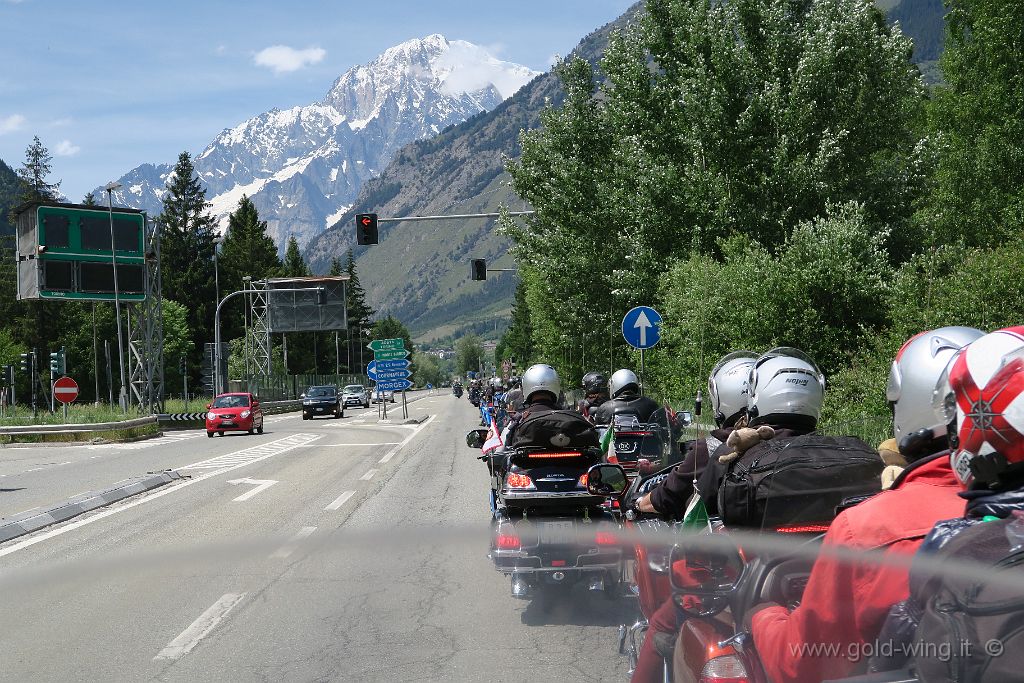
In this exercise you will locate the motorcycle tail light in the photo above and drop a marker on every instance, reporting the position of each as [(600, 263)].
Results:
[(583, 481), (519, 481), (605, 538), (558, 454), (725, 669), (802, 528), (507, 541)]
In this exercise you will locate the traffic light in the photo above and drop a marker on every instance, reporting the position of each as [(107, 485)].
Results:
[(366, 228), (57, 364), (26, 363), (478, 269), (8, 375), (182, 367)]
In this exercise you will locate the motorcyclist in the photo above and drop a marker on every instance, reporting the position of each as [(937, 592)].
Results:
[(727, 389), (626, 399), (978, 399), (541, 389), (791, 408), (595, 393), (845, 603)]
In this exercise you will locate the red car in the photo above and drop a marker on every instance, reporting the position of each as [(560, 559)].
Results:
[(234, 413)]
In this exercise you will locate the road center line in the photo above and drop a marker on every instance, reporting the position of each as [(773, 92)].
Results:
[(379, 443), (340, 500), (289, 547), (200, 628), (390, 454), (368, 476)]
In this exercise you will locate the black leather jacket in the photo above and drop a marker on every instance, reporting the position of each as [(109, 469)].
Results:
[(641, 406)]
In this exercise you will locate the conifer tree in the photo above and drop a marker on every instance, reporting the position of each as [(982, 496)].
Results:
[(188, 238), (294, 265), (247, 251), (34, 174), (359, 312)]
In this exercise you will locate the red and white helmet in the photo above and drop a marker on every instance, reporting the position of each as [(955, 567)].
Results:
[(981, 397)]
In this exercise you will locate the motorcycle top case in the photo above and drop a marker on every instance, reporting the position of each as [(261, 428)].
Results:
[(800, 480), (557, 429)]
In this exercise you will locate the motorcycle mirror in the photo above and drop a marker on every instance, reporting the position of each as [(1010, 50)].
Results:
[(686, 417), (711, 569), (606, 480), (209, 405), (475, 438)]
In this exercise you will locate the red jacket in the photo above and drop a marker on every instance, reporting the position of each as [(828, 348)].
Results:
[(845, 603)]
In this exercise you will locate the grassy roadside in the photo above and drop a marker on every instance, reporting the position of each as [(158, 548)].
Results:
[(113, 436)]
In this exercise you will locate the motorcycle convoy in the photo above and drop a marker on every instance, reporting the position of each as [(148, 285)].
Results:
[(705, 525)]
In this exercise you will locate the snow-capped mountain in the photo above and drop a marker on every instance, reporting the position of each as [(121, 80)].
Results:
[(304, 166)]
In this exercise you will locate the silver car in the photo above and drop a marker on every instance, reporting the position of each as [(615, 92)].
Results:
[(356, 395)]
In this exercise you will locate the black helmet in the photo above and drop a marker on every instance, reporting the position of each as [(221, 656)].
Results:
[(595, 383)]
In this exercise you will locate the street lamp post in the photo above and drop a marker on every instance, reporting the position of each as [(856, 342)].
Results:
[(123, 396)]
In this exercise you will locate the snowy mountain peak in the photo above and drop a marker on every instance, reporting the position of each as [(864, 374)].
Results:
[(303, 166)]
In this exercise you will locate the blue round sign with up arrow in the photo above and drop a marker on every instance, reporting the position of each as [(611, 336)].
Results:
[(641, 327)]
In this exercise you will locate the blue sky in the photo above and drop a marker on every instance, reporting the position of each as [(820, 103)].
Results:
[(107, 86)]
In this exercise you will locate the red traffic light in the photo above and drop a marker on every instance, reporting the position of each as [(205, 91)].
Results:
[(366, 228)]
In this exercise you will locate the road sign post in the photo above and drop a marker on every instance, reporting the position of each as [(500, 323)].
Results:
[(641, 328)]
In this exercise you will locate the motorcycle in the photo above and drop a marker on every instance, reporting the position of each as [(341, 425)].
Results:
[(549, 529), (457, 391), (652, 444)]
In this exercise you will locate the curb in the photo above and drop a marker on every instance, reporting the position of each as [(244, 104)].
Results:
[(19, 525)]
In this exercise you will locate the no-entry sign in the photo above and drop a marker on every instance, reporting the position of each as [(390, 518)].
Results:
[(65, 390)]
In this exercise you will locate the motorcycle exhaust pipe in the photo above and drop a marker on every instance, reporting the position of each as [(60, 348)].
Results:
[(520, 589)]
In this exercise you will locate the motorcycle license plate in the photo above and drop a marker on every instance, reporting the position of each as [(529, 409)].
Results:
[(626, 446), (557, 532)]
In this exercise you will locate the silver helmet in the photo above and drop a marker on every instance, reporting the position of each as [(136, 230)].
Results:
[(538, 378), (913, 376), (785, 382), (621, 381), (728, 386)]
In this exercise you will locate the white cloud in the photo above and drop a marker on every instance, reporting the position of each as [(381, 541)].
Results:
[(282, 58), (11, 123), (466, 68), (65, 148)]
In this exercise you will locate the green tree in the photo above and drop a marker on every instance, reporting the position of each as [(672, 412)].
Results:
[(469, 354), (978, 122), (294, 265), (34, 174), (517, 342), (89, 199), (360, 313), (247, 251), (188, 238), (428, 370), (178, 344)]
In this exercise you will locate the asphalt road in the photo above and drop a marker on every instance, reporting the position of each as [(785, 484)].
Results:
[(322, 550)]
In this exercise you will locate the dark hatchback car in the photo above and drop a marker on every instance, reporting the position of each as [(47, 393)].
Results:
[(321, 401)]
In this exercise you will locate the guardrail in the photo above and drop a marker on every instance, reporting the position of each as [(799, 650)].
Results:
[(269, 408), (34, 430)]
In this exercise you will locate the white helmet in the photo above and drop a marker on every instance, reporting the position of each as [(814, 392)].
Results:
[(917, 368), (728, 386), (785, 382), (621, 381), (538, 378)]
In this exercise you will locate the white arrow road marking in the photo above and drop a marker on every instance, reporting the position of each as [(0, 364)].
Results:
[(260, 484), (289, 547), (200, 628), (642, 323)]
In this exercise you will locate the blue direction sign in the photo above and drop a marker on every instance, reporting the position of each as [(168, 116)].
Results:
[(371, 370), (385, 365), (394, 385), (391, 375), (641, 327)]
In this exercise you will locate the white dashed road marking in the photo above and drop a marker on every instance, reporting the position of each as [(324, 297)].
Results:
[(340, 500), (200, 628), (368, 476), (289, 547)]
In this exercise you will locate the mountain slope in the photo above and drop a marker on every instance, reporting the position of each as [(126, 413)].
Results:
[(420, 271), (304, 166), (9, 190)]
